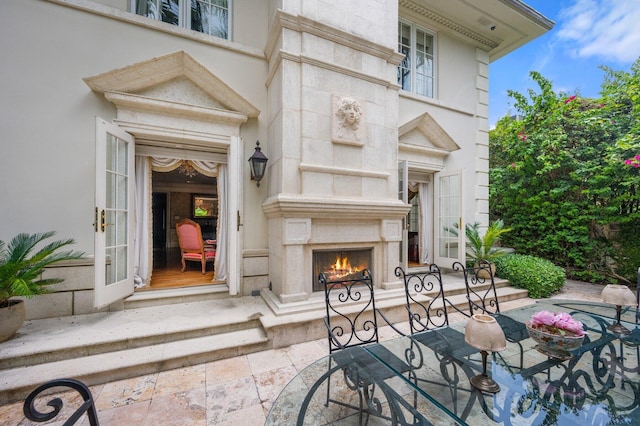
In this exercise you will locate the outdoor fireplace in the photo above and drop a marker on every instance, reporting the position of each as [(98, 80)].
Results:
[(340, 263)]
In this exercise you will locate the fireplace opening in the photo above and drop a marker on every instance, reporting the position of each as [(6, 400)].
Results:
[(339, 264)]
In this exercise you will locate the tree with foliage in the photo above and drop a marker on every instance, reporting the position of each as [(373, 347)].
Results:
[(563, 176)]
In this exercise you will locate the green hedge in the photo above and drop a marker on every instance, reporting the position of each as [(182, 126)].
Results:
[(539, 276)]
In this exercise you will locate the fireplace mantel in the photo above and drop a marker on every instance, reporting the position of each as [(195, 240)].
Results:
[(319, 207)]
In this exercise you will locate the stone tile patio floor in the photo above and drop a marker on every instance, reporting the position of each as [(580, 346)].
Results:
[(234, 391)]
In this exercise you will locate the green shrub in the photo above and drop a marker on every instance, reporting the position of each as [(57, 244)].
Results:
[(539, 276)]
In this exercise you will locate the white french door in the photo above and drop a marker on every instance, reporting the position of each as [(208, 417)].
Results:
[(449, 245), (113, 214)]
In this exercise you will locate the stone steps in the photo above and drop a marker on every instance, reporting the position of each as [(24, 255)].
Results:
[(102, 347), (17, 382)]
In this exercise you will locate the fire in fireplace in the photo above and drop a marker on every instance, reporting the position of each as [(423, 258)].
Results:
[(341, 263)]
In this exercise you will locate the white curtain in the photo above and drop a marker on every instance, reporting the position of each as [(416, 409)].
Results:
[(142, 248), (425, 237), (160, 164), (222, 228)]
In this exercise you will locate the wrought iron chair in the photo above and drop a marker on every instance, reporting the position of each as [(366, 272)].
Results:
[(425, 301), (480, 288), (482, 298), (88, 406), (192, 247), (428, 308), (352, 320)]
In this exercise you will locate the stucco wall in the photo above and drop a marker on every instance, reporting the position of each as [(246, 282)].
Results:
[(48, 119), (49, 126)]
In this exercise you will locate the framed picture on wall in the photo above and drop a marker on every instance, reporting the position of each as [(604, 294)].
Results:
[(204, 206)]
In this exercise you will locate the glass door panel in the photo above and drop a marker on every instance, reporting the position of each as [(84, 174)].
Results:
[(114, 200), (448, 235)]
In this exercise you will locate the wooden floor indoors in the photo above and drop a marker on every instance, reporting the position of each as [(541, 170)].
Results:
[(167, 272)]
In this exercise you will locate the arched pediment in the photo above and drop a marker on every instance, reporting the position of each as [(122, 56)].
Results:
[(175, 78)]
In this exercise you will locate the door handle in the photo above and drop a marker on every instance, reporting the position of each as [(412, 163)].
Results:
[(103, 225)]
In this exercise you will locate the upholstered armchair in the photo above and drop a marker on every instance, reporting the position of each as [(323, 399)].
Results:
[(192, 247)]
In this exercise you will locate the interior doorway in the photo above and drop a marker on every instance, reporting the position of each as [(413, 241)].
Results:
[(419, 220), (159, 217), (173, 199)]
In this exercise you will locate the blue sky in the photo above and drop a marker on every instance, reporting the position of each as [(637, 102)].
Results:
[(587, 34)]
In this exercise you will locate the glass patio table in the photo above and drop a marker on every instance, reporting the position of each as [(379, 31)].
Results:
[(424, 378)]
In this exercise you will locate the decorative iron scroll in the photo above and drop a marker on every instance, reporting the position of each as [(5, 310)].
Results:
[(425, 299), (350, 329), (56, 404), (480, 300)]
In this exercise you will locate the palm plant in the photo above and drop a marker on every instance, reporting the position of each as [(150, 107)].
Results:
[(483, 248), (21, 272)]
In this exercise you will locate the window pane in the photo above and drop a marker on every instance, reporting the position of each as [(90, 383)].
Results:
[(424, 63), (121, 267), (424, 42), (111, 152), (171, 11), (110, 228), (404, 71), (110, 198), (161, 10), (121, 228), (110, 272), (449, 208), (210, 17), (122, 193), (148, 8), (404, 47), (123, 148)]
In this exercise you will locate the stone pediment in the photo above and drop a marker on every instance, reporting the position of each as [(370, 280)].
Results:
[(172, 81), (424, 134)]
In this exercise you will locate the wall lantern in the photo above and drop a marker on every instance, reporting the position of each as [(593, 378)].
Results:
[(258, 163)]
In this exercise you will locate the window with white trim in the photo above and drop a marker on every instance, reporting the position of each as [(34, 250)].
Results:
[(416, 72), (206, 16)]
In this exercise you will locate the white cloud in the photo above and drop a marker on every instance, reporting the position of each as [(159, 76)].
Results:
[(604, 29)]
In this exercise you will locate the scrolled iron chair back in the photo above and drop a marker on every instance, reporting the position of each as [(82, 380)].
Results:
[(425, 301), (480, 287), (351, 312)]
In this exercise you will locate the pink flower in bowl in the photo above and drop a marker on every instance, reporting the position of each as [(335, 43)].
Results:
[(556, 323), (543, 318), (564, 321), (574, 326)]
